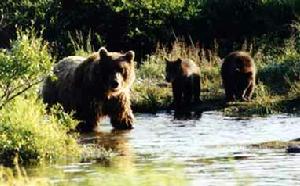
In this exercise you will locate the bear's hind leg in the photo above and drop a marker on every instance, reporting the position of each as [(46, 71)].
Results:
[(187, 95), (229, 92), (249, 92), (177, 95), (196, 89)]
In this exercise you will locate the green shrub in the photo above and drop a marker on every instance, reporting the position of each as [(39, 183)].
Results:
[(27, 132), (23, 66), (282, 69), (31, 135), (148, 96)]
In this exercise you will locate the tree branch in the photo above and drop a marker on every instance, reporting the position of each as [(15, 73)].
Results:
[(18, 93)]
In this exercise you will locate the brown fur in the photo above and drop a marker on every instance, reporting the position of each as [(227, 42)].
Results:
[(238, 75), (185, 78), (94, 87)]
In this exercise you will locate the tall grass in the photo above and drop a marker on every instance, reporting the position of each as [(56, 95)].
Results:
[(152, 92), (278, 76)]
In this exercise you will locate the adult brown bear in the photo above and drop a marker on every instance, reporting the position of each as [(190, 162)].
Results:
[(94, 87), (185, 78), (238, 75)]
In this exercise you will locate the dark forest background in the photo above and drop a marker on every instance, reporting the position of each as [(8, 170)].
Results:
[(141, 24)]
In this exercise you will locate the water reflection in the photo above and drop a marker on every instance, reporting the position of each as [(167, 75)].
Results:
[(187, 115), (117, 142)]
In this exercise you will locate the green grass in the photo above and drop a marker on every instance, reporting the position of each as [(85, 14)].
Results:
[(277, 90)]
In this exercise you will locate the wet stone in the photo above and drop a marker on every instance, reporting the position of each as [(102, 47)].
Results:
[(293, 149)]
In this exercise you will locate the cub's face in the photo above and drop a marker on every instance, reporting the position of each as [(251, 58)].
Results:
[(173, 69), (117, 70)]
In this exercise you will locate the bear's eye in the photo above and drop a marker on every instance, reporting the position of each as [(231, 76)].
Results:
[(120, 70)]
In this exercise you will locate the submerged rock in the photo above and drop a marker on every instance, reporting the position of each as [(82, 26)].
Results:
[(293, 149)]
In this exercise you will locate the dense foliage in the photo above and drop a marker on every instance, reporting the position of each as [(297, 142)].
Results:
[(23, 66), (32, 136), (139, 25), (27, 132)]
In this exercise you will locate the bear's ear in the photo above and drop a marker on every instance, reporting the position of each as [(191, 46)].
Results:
[(103, 52), (130, 55)]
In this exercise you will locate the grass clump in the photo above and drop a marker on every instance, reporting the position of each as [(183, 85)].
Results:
[(150, 91), (19, 178)]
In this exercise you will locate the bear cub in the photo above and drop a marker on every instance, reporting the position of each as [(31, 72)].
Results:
[(238, 75), (184, 75), (93, 88)]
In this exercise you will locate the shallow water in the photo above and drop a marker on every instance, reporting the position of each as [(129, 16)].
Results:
[(211, 150)]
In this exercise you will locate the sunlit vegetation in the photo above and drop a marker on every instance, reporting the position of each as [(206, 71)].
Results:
[(202, 30), (277, 81), (27, 132)]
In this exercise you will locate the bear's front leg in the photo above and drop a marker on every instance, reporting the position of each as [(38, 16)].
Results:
[(86, 126), (177, 95), (88, 123), (120, 113)]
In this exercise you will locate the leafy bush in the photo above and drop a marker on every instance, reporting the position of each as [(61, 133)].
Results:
[(31, 135), (27, 132), (283, 68), (23, 66)]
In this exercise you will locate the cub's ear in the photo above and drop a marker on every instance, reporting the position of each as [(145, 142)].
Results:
[(179, 60), (130, 55), (103, 52)]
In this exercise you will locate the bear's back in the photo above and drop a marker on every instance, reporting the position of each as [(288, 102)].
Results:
[(240, 61), (67, 66)]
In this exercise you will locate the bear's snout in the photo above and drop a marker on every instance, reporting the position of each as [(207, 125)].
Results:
[(114, 84)]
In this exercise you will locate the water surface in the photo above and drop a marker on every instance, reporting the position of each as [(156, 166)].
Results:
[(211, 150)]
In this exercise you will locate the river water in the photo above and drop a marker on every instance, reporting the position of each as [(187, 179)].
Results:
[(211, 150)]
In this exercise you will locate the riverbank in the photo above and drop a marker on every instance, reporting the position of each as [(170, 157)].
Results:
[(277, 90)]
